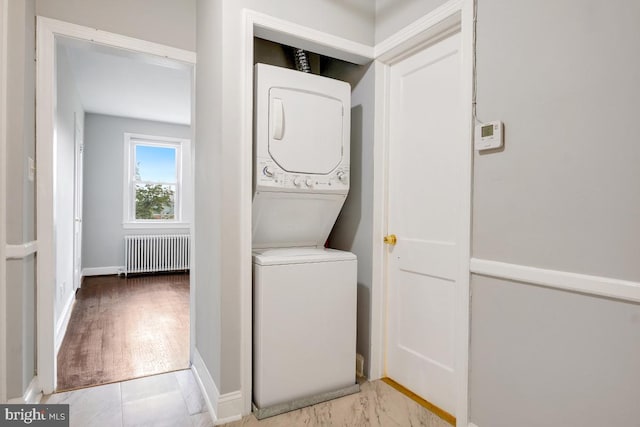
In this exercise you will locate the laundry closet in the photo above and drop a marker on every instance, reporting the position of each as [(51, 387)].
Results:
[(305, 292)]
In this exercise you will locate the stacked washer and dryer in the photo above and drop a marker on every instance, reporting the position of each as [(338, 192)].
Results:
[(304, 295)]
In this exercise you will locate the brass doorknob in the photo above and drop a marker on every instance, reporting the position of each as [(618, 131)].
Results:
[(391, 239)]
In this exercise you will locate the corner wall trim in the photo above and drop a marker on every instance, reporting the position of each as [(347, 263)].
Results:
[(593, 285), (102, 271), (21, 251), (31, 396), (419, 30), (207, 386), (63, 323), (230, 407), (223, 408)]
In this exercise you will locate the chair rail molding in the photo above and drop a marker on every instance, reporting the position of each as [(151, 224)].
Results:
[(22, 250), (568, 281)]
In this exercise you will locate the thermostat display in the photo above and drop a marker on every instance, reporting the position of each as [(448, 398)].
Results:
[(489, 136)]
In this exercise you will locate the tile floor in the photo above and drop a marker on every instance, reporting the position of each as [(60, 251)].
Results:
[(174, 400), (377, 404), (171, 400)]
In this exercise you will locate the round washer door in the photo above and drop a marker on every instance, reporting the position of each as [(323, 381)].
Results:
[(305, 131)]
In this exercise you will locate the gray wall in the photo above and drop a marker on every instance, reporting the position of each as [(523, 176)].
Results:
[(563, 195), (394, 15), (20, 218), (353, 230), (543, 357), (68, 110), (206, 269), (102, 238), (169, 22), (569, 173)]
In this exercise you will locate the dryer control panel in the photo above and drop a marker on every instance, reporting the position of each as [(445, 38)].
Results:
[(301, 132), (270, 177)]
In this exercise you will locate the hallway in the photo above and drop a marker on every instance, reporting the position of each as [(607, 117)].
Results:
[(125, 328)]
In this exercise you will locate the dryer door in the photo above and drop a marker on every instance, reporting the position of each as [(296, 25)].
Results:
[(305, 131)]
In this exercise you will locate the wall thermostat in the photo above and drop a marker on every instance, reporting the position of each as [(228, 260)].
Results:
[(489, 135)]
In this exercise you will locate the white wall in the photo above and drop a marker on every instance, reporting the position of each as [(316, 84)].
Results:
[(393, 15), (168, 22), (103, 232), (20, 203), (68, 110), (564, 195)]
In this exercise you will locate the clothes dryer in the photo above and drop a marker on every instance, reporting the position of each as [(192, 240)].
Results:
[(301, 165)]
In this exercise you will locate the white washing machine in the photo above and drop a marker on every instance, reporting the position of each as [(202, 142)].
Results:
[(304, 300), (304, 315)]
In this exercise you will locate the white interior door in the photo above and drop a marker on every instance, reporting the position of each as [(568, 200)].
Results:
[(77, 203), (425, 164)]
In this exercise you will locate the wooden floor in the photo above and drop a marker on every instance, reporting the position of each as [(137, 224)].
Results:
[(122, 329)]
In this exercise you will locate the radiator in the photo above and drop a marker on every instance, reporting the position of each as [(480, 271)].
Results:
[(155, 253)]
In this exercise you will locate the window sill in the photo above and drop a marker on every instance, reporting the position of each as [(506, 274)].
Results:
[(156, 225)]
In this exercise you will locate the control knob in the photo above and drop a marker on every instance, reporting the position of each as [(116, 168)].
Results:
[(309, 182), (268, 171), (342, 176), (297, 181)]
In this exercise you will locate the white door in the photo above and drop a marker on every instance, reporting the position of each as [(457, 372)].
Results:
[(425, 164), (77, 204)]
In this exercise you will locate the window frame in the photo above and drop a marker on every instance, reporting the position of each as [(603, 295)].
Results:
[(131, 140)]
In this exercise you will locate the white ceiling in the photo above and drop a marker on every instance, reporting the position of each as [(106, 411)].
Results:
[(130, 84)]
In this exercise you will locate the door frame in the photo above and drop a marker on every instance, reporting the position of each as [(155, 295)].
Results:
[(450, 18), (4, 5), (47, 30), (78, 188)]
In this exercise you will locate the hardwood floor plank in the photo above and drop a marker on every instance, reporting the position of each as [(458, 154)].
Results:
[(124, 328)]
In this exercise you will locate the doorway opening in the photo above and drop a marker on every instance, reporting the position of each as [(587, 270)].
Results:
[(117, 181), (130, 150)]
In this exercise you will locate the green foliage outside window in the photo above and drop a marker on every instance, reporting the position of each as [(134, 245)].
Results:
[(154, 201)]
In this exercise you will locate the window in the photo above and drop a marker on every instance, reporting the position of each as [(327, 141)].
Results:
[(154, 184)]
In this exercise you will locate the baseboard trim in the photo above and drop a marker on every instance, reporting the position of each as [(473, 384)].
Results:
[(584, 283), (102, 271), (223, 408), (444, 415), (230, 407), (31, 396), (207, 386), (63, 322)]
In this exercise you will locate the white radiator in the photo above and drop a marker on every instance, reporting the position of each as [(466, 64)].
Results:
[(155, 253)]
